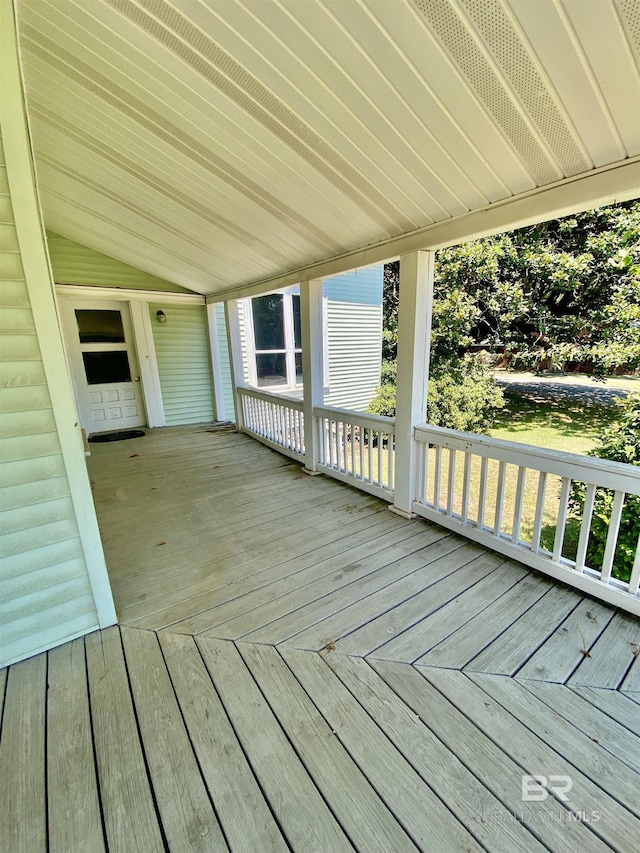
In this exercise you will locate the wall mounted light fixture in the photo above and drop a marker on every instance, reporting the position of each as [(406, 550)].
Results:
[(162, 317)]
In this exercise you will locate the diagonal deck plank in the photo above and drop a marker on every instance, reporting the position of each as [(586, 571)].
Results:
[(422, 813), (615, 825), (300, 810), (169, 741), (363, 814)]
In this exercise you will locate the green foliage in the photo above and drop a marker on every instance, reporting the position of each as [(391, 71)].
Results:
[(619, 443), (563, 291), (461, 396)]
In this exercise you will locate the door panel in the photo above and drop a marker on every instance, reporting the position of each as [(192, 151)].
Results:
[(104, 363)]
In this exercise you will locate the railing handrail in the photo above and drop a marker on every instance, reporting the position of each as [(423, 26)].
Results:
[(600, 472), (364, 419), (269, 396)]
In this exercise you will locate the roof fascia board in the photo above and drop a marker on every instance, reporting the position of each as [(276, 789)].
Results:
[(127, 295)]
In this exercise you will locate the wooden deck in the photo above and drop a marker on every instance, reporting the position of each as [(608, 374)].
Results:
[(298, 669)]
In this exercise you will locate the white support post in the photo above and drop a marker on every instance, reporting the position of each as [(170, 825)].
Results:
[(151, 390), (414, 338), (312, 366), (232, 321), (216, 371)]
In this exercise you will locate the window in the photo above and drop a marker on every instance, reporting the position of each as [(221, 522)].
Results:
[(275, 330)]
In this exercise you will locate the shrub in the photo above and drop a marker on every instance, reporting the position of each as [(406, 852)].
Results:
[(619, 443), (462, 395)]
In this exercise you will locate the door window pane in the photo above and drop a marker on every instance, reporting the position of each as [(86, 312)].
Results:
[(271, 369), (298, 368), (99, 327), (268, 321), (106, 367)]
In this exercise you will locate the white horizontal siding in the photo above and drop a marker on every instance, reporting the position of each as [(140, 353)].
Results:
[(354, 337), (76, 264), (182, 353), (45, 594)]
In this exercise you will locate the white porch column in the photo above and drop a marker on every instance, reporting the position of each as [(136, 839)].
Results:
[(312, 363), (216, 371), (232, 321), (414, 337)]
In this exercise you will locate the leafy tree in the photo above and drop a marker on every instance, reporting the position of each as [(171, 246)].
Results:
[(620, 443), (557, 293)]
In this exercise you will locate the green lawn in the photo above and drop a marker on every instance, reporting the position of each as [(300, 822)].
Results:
[(569, 425)]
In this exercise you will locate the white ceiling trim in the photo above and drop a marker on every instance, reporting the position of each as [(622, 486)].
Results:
[(609, 185)]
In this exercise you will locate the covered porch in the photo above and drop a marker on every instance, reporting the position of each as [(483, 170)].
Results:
[(296, 668)]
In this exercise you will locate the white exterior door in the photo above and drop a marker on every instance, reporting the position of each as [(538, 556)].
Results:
[(104, 364)]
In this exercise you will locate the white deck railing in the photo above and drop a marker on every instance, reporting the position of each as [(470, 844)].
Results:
[(357, 448), (275, 420), (463, 485)]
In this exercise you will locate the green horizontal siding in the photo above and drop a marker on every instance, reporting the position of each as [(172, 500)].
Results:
[(182, 352), (45, 595), (354, 334), (76, 264)]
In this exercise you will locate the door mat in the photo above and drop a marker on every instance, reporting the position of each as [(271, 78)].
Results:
[(117, 436)]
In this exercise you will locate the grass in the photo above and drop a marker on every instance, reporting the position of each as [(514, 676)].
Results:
[(562, 424)]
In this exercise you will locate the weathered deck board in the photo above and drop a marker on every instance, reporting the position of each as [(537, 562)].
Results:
[(461, 647), (303, 815), (467, 798), (363, 814), (567, 740), (187, 815), (75, 822), (561, 654), (617, 706), (427, 820), (616, 825), (244, 815), (613, 737), (611, 656), (428, 632), (508, 652), (486, 755), (23, 811), (127, 800)]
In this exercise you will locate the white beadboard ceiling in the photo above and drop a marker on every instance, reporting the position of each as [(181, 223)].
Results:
[(217, 143)]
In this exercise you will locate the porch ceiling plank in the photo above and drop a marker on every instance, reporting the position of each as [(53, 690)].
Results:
[(489, 755), (365, 817), (298, 806), (129, 812), (23, 814), (421, 811), (187, 815), (172, 136), (465, 795), (569, 741), (611, 656), (247, 821), (617, 826), (73, 805)]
